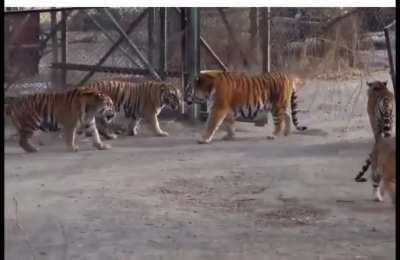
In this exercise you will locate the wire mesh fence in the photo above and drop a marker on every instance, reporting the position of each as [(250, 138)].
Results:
[(331, 43)]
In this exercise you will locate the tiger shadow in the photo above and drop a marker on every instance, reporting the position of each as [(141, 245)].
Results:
[(312, 132)]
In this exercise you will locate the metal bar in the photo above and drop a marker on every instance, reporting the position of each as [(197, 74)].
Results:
[(265, 39), (163, 41), (107, 69), (131, 44), (213, 54), (391, 62), (104, 31), (150, 34), (6, 31), (42, 47), (253, 30), (131, 27), (64, 50), (53, 21), (184, 82), (17, 31), (208, 48), (54, 30), (232, 35), (194, 53), (43, 10)]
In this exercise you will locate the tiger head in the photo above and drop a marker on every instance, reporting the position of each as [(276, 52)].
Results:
[(200, 89), (171, 96), (100, 104), (376, 86)]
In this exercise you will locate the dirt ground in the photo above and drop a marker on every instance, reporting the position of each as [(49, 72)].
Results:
[(170, 198)]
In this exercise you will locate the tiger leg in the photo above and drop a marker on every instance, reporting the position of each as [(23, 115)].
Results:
[(214, 121), (24, 136), (133, 126), (278, 115), (229, 126), (376, 178), (390, 187), (287, 129), (70, 136), (104, 129), (96, 137), (153, 120)]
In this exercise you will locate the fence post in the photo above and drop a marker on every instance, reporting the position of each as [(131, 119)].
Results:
[(150, 34), (64, 46), (54, 50), (265, 39), (391, 63), (163, 42)]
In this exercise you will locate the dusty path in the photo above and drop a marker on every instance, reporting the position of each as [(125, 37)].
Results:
[(169, 198)]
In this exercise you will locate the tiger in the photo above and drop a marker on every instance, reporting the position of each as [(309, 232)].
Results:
[(380, 107), (139, 100), (72, 109), (383, 168), (230, 95)]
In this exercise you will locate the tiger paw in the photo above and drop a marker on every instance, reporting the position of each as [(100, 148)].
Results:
[(30, 149), (378, 197), (102, 146), (132, 132), (228, 138), (301, 128), (110, 136), (202, 141), (162, 134), (74, 148)]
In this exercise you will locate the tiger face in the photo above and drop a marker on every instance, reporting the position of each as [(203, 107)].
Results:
[(199, 91), (171, 97), (102, 105), (376, 85)]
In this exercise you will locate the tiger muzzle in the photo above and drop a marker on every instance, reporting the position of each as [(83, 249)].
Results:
[(108, 115)]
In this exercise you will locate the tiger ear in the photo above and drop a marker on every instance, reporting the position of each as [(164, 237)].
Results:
[(204, 77)]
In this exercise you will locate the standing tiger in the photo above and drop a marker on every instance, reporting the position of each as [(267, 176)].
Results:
[(232, 94), (71, 109), (380, 106), (383, 168), (143, 100)]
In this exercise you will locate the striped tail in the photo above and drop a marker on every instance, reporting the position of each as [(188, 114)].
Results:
[(293, 104), (365, 167), (387, 118)]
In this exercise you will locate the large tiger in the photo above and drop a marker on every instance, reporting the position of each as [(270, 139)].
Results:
[(232, 94), (71, 109), (380, 106), (139, 100), (380, 109), (383, 168)]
